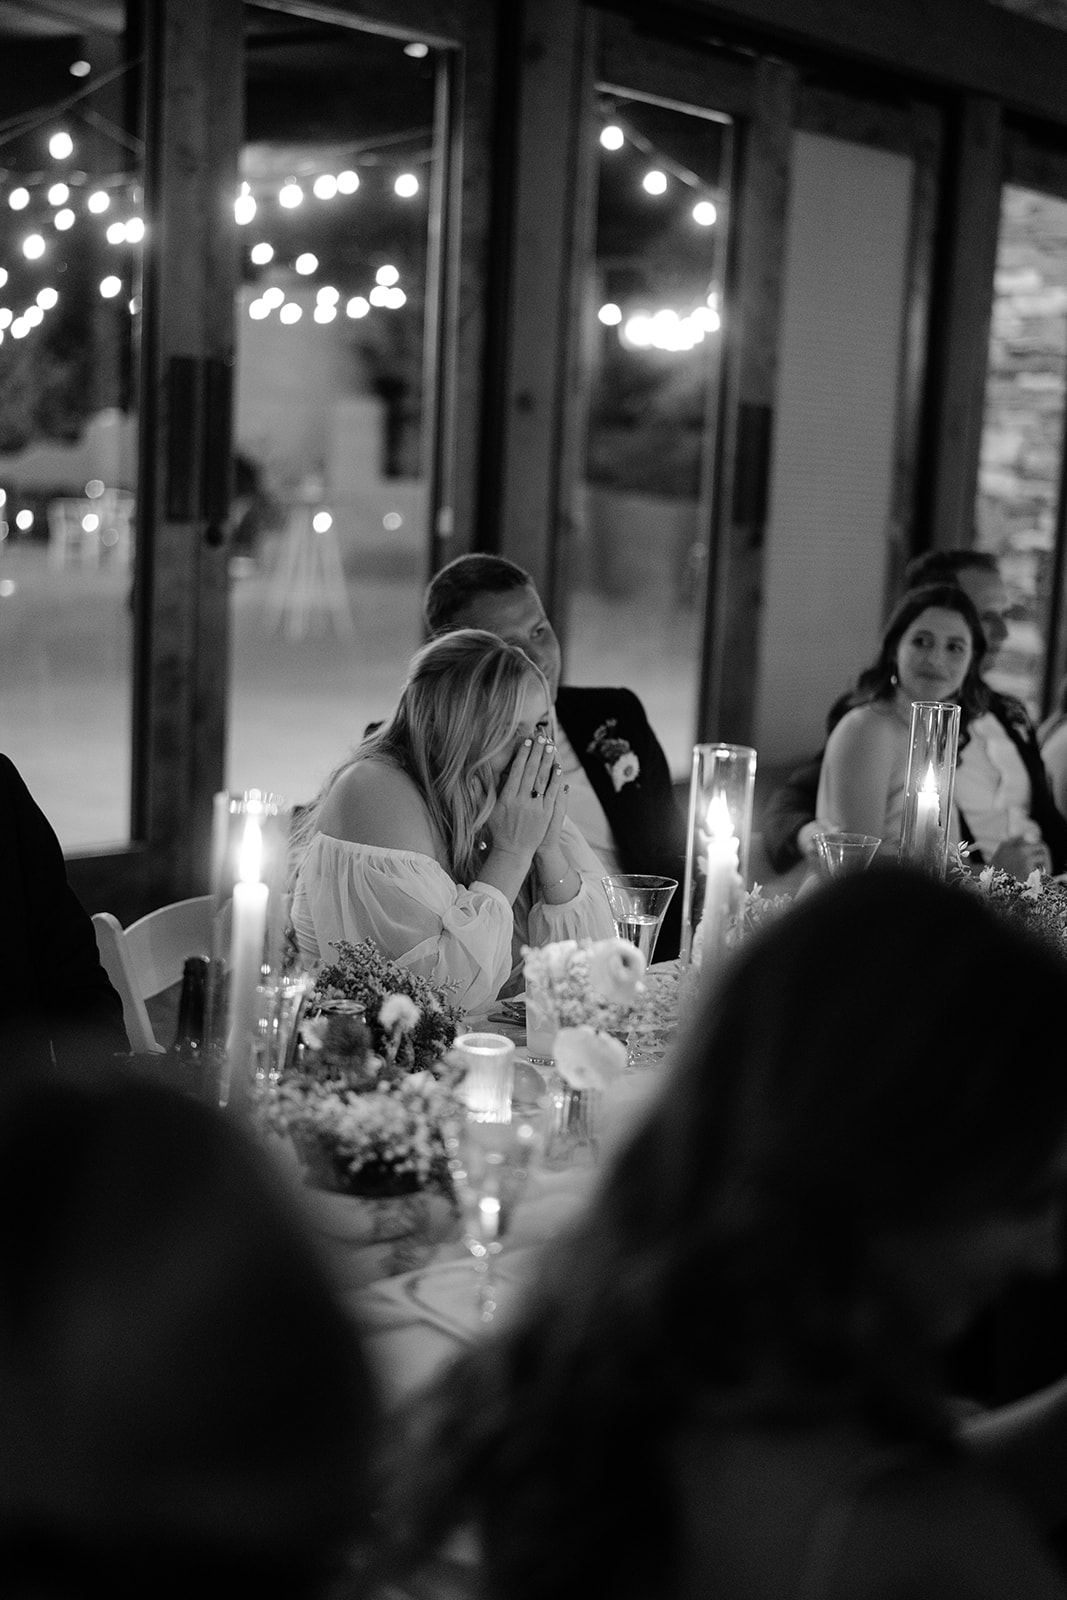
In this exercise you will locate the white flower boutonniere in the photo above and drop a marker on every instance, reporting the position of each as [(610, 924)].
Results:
[(617, 755)]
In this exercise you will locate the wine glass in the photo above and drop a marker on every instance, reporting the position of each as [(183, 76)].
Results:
[(489, 1162), (490, 1145), (842, 853), (639, 902)]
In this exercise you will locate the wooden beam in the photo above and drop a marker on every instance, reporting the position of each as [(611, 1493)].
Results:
[(980, 48)]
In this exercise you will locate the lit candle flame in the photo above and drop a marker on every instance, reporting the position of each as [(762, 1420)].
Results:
[(719, 821), (250, 858), (930, 781)]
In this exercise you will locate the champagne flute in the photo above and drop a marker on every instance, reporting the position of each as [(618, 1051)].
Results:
[(639, 902)]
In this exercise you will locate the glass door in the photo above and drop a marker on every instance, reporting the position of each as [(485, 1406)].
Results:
[(652, 342), (341, 210), (1019, 513), (72, 231)]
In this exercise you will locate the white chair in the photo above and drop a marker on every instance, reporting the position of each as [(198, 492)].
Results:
[(149, 956)]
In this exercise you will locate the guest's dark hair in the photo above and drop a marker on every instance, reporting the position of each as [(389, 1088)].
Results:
[(452, 589), (878, 681), (829, 1096), (185, 1405), (944, 566)]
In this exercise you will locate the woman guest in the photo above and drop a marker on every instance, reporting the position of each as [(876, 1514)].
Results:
[(932, 649), (446, 839), (725, 1380)]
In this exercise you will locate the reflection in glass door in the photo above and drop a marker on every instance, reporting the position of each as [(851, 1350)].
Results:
[(652, 314), (71, 231), (1019, 484), (331, 517)]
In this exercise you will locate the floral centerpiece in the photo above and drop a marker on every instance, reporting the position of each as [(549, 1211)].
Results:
[(583, 991), (365, 1097), (1039, 905)]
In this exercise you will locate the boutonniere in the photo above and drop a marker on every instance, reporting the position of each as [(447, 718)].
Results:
[(617, 754)]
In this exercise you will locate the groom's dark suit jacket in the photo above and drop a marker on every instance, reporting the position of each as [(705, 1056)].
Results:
[(647, 826), (54, 993)]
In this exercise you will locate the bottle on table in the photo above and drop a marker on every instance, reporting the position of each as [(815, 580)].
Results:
[(188, 1049)]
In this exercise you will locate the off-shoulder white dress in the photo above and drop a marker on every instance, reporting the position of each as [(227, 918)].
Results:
[(465, 941)]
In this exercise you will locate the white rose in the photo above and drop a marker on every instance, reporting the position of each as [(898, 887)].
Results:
[(398, 1011), (588, 1059), (625, 770), (616, 968)]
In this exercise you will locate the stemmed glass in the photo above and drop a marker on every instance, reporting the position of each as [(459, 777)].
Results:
[(842, 853), (639, 902), (491, 1146)]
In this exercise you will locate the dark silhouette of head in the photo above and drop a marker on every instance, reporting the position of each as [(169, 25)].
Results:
[(185, 1406)]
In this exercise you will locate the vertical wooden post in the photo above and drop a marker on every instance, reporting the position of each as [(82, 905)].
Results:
[(752, 308), (961, 325)]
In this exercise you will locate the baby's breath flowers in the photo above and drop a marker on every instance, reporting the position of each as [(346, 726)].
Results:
[(366, 1098)]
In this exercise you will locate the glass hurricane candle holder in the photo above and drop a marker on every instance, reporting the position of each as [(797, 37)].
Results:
[(249, 857), (721, 791), (929, 785), (487, 1088)]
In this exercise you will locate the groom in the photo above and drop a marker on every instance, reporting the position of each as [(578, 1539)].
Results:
[(621, 797)]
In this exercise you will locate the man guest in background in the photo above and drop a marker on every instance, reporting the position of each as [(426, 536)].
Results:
[(621, 795)]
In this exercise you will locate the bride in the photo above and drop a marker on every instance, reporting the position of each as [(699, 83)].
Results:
[(445, 838)]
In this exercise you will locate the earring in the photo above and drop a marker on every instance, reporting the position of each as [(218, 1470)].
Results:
[(893, 679)]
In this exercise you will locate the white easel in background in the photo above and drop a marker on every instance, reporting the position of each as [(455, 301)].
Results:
[(309, 585)]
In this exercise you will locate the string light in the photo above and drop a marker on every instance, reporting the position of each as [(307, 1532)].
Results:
[(610, 315), (273, 296), (325, 186), (328, 296), (306, 263), (291, 312), (417, 49), (135, 230), (347, 181), (612, 137), (64, 219), (110, 286), (387, 276), (406, 185), (98, 201), (244, 207), (262, 253), (19, 199), (116, 233), (47, 298), (290, 195), (654, 182), (358, 306), (324, 312), (258, 310), (3, 276), (58, 194), (79, 69), (61, 145), (704, 213), (33, 247)]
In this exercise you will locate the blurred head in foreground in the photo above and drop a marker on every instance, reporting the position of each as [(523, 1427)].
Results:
[(861, 1138), (183, 1404)]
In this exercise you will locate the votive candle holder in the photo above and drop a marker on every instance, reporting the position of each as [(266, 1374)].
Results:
[(721, 790)]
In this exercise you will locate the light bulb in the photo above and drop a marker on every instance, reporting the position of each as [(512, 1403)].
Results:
[(262, 253), (135, 230), (64, 219), (99, 200), (406, 185), (704, 213), (290, 312), (244, 209), (612, 137), (60, 146), (610, 315), (47, 298), (306, 263), (116, 233), (110, 286), (290, 195), (325, 186), (654, 182), (58, 194), (357, 306), (347, 182), (33, 247), (387, 276), (19, 199), (325, 313)]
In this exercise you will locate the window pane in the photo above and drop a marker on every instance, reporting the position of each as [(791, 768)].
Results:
[(71, 234), (1022, 437), (652, 343), (331, 547)]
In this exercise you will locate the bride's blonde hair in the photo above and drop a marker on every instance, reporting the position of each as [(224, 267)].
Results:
[(458, 711)]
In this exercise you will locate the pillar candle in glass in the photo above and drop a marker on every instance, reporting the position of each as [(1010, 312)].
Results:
[(249, 848), (928, 787), (721, 791), (487, 1088)]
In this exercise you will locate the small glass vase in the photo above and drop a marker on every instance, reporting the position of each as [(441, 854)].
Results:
[(929, 785), (572, 1126)]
